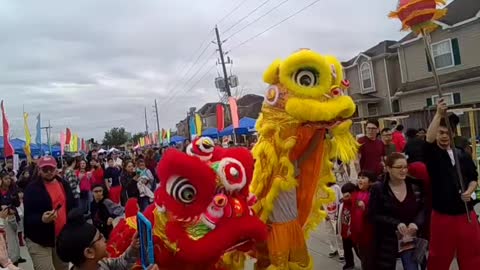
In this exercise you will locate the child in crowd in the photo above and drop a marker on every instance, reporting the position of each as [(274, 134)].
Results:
[(331, 223), (345, 225), (81, 244), (145, 185), (361, 227)]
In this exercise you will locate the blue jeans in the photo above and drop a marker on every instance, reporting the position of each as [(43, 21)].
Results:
[(408, 260)]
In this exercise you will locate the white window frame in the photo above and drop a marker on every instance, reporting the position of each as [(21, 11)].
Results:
[(376, 108), (449, 102), (372, 87), (451, 53)]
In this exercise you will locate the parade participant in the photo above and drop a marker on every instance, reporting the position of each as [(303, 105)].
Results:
[(451, 234), (372, 150), (304, 123), (47, 199), (83, 245), (201, 212), (397, 210)]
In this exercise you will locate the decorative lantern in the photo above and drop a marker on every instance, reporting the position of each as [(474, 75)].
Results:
[(419, 15)]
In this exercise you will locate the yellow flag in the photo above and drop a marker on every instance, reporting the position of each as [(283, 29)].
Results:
[(198, 124), (142, 141), (75, 142), (28, 139)]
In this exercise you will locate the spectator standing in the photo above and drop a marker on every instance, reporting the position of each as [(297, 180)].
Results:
[(386, 135), (397, 211), (414, 147), (450, 232), (86, 180), (112, 181), (345, 225), (47, 201), (72, 179), (331, 224), (128, 180), (9, 201), (372, 150), (104, 211), (398, 138)]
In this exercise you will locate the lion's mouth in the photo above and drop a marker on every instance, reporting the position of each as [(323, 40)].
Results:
[(325, 124)]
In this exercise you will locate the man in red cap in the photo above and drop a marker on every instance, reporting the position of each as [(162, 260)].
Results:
[(47, 200)]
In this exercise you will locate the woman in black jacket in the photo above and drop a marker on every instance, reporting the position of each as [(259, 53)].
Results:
[(103, 210), (397, 211), (128, 180)]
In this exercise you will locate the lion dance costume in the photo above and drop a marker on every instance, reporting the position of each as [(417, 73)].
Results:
[(202, 213), (303, 125)]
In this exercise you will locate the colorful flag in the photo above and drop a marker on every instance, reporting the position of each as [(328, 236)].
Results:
[(28, 138), (234, 111), (220, 117), (198, 124), (73, 142), (142, 141), (168, 135), (68, 136), (78, 144), (38, 138), (62, 143), (7, 146), (193, 129)]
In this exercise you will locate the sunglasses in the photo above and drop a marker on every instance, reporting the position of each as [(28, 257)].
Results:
[(48, 169)]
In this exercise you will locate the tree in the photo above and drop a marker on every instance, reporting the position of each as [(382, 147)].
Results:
[(136, 137), (115, 137)]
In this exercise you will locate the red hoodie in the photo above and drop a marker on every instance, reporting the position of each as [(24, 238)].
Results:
[(361, 228)]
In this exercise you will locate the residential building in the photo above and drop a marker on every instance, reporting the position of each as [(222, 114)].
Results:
[(455, 47)]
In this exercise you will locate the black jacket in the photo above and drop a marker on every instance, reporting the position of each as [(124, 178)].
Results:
[(36, 202), (414, 150), (385, 223)]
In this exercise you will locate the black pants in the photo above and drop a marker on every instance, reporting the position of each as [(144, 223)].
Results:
[(348, 248)]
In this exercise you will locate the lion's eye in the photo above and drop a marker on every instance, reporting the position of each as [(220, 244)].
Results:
[(182, 190), (306, 77)]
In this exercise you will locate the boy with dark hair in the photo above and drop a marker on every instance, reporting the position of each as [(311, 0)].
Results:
[(386, 135), (345, 225)]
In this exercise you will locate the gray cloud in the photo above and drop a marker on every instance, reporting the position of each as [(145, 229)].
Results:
[(92, 65)]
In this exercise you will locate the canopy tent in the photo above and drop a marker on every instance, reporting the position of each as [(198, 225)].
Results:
[(210, 132), (246, 125)]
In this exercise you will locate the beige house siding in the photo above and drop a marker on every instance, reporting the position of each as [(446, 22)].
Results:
[(394, 77), (413, 59), (468, 94), (352, 76)]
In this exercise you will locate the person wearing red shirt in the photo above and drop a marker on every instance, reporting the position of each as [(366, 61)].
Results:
[(372, 150), (46, 202), (97, 172), (345, 225), (399, 139)]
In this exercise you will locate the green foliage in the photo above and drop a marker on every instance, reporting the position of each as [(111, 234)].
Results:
[(115, 137)]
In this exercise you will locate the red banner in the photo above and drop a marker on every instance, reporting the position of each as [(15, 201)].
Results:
[(220, 117), (7, 146), (68, 136), (84, 147)]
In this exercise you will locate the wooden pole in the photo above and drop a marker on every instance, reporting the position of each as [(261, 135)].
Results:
[(426, 40), (473, 135)]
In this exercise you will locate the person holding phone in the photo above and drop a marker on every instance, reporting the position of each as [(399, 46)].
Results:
[(81, 244), (47, 200)]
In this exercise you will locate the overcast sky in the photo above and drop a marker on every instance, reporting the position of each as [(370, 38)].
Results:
[(91, 65)]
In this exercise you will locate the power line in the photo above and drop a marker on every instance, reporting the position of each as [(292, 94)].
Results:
[(231, 11), (246, 16), (257, 19), (273, 26), (201, 78)]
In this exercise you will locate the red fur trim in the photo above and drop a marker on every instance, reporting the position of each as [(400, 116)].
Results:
[(213, 245), (131, 208), (120, 239), (201, 176)]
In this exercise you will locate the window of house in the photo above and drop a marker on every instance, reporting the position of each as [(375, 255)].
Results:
[(366, 76), (450, 99), (396, 106), (372, 109), (445, 54)]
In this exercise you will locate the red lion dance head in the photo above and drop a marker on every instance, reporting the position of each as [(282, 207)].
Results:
[(202, 208)]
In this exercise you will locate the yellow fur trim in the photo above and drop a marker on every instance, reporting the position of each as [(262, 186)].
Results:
[(306, 59), (332, 60), (315, 111), (295, 266), (344, 145), (234, 260), (270, 75)]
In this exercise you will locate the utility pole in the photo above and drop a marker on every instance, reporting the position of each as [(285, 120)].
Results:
[(48, 132), (158, 120), (146, 122), (222, 60)]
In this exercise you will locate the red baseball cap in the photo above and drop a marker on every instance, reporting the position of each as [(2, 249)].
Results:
[(47, 161)]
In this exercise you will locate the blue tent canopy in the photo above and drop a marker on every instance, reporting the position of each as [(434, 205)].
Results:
[(210, 132), (246, 125), (177, 139)]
